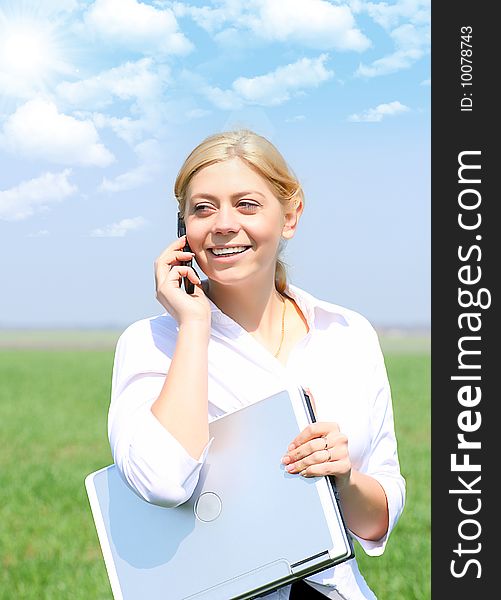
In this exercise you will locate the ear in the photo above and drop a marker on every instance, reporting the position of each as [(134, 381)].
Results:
[(291, 220)]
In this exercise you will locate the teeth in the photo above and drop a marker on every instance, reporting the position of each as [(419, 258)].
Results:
[(220, 251)]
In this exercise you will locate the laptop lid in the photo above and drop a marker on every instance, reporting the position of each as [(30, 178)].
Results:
[(249, 528)]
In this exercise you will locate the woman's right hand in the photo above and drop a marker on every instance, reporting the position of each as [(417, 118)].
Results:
[(169, 271)]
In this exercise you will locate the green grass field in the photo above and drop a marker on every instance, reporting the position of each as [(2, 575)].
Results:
[(53, 408)]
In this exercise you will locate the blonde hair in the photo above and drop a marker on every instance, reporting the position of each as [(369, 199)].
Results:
[(261, 156)]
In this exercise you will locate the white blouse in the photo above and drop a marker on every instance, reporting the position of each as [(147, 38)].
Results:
[(339, 360)]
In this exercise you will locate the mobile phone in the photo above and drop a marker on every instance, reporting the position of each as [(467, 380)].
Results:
[(181, 230)]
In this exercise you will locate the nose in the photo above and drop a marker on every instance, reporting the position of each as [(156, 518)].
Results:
[(226, 220)]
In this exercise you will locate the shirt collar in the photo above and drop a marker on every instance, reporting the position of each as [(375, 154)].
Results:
[(309, 305)]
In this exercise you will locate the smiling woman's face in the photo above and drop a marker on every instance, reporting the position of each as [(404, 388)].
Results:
[(229, 204)]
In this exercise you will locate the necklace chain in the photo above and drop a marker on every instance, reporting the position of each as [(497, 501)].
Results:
[(283, 328)]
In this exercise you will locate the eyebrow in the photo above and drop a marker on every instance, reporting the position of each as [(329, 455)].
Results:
[(237, 195)]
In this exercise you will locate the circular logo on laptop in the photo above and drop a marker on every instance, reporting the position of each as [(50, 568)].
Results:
[(208, 506)]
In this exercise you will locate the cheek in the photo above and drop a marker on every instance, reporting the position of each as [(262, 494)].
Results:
[(196, 236), (266, 231)]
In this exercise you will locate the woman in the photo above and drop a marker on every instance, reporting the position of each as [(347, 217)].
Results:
[(242, 333)]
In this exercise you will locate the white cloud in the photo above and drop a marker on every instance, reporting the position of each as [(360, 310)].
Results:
[(150, 157), (197, 113), (35, 195), (273, 88), (426, 82), (50, 7), (142, 83), (390, 15), (223, 99), (39, 233), (38, 130), (209, 18), (129, 180), (127, 129), (119, 229), (381, 111), (17, 87), (408, 24), (131, 81), (411, 45), (138, 26), (317, 24)]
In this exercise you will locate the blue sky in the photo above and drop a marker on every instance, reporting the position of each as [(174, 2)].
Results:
[(101, 101)]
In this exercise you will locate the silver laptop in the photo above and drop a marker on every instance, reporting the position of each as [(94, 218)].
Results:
[(249, 528)]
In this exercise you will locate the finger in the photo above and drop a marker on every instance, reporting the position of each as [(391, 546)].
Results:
[(322, 456), (178, 244), (314, 430), (193, 277), (318, 470), (173, 278), (172, 257), (337, 468), (169, 260), (319, 443), (337, 450), (180, 256), (184, 253), (179, 271)]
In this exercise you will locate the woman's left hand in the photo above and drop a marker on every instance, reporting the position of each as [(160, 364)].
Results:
[(320, 449)]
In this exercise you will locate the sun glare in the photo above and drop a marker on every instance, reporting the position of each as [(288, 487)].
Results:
[(27, 52), (34, 53)]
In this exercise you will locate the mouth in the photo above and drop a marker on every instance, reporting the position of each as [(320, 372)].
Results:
[(229, 252)]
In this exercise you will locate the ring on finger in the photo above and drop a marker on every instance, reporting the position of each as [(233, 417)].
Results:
[(326, 445), (330, 455)]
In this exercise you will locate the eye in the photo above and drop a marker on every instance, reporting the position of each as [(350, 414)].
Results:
[(201, 207), (246, 204), (249, 205)]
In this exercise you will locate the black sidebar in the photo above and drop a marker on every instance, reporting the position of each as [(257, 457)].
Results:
[(466, 359)]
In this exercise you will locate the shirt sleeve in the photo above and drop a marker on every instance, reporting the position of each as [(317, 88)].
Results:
[(151, 461), (383, 463)]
